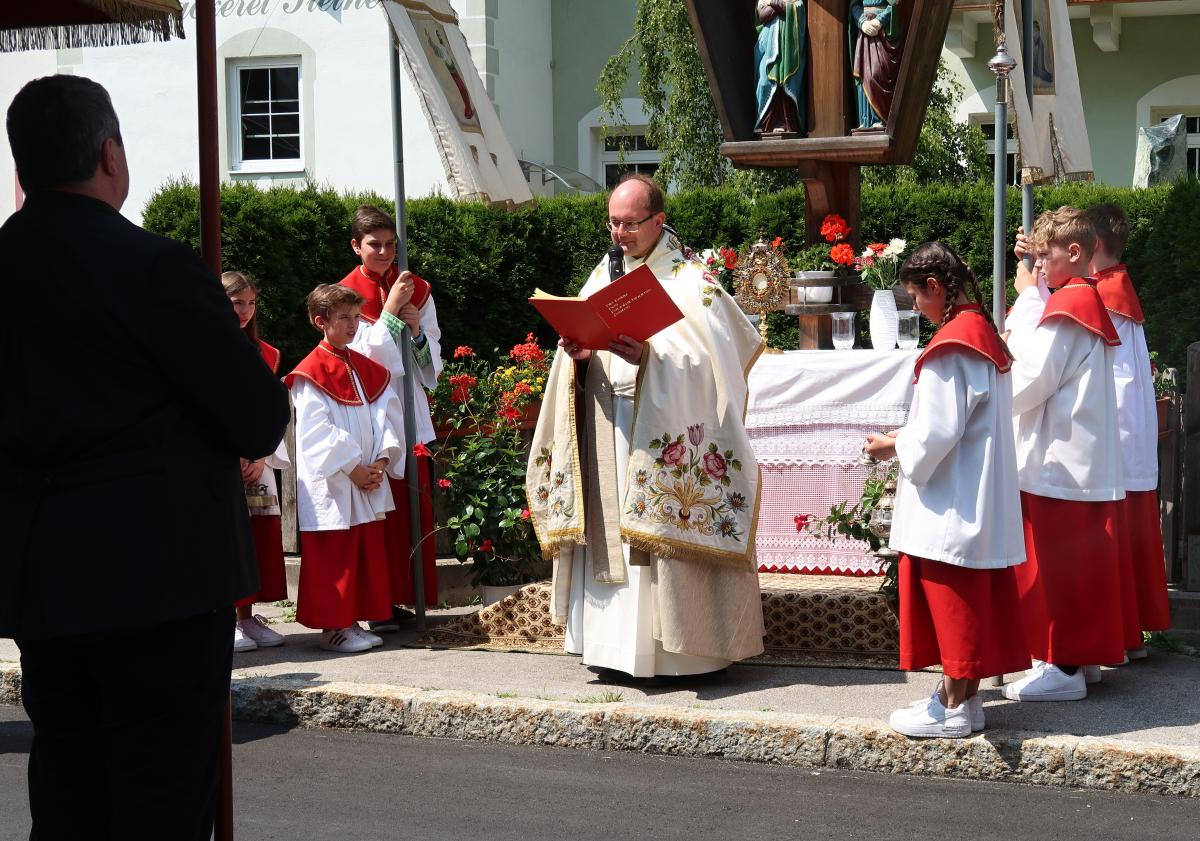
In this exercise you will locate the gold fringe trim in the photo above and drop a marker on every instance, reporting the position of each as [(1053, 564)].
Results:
[(664, 547), (132, 24)]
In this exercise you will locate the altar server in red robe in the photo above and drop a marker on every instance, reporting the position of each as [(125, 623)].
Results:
[(1137, 417), (957, 519), (393, 299), (348, 425), (262, 493), (1069, 462)]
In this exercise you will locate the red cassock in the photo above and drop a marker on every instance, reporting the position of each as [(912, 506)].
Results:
[(963, 618), (343, 572), (1070, 583), (1141, 541), (374, 288), (267, 530)]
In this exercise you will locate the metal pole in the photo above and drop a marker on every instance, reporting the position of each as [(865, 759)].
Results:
[(1027, 70), (411, 471), (1002, 65)]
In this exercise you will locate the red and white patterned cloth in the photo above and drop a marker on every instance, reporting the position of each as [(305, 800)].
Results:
[(808, 417)]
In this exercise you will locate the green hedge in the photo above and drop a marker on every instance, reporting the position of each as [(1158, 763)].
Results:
[(485, 262)]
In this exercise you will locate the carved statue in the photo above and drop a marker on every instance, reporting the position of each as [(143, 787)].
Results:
[(875, 44), (781, 59)]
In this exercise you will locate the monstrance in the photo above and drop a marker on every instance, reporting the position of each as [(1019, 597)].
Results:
[(761, 282)]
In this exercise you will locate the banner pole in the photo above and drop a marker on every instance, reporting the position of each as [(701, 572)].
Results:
[(411, 469)]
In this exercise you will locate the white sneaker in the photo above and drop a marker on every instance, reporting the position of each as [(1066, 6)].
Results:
[(257, 629), (974, 707), (932, 720), (374, 639), (241, 642), (1136, 654), (1091, 674), (344, 641), (1049, 683)]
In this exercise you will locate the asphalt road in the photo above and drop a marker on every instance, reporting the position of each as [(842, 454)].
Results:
[(323, 784)]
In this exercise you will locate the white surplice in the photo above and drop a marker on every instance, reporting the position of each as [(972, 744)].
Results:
[(958, 498), (1064, 407), (332, 439), (1137, 415), (375, 342)]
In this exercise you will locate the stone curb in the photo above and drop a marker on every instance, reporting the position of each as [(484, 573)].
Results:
[(776, 738)]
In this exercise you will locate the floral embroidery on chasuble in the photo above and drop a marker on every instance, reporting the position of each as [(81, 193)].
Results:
[(692, 483)]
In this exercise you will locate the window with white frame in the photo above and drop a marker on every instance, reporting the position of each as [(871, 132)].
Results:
[(1191, 119), (987, 125), (266, 118), (624, 153)]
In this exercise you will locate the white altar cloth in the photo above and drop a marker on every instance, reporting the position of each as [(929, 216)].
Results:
[(808, 416)]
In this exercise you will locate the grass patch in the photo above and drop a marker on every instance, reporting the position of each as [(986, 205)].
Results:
[(507, 695), (608, 696), (1162, 641), (289, 612)]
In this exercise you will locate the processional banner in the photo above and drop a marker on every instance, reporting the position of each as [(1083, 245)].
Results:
[(1052, 137), (479, 161)]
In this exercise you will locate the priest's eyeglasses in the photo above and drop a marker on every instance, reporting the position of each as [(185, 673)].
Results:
[(629, 227)]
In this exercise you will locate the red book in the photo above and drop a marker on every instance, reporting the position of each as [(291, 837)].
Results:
[(634, 305)]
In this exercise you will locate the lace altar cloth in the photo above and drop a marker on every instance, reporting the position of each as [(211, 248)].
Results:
[(808, 416)]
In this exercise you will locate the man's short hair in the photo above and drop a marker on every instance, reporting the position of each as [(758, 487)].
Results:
[(654, 193), (327, 297), (1065, 226), (1112, 227), (57, 126), (369, 218)]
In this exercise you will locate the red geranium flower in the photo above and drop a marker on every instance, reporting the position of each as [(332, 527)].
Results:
[(421, 450), (509, 412), (834, 228), (730, 256), (842, 254), (463, 351), (525, 515), (486, 546), (877, 247), (803, 520), (443, 483), (462, 385), (778, 241), (522, 388), (527, 351)]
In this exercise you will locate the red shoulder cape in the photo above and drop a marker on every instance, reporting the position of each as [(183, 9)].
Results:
[(329, 370), (1078, 301), (1117, 293), (967, 331), (374, 289), (270, 356)]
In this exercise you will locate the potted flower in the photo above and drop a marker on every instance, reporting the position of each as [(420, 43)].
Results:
[(879, 264), (479, 410), (1166, 385), (826, 261)]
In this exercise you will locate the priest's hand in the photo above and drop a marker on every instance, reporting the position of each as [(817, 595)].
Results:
[(411, 316), (400, 294), (628, 349), (573, 350), (881, 446)]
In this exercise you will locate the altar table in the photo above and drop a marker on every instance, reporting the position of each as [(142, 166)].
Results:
[(808, 417)]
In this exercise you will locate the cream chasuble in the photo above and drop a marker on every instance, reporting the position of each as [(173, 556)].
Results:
[(650, 523)]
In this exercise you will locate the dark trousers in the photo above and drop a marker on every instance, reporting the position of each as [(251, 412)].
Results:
[(126, 730)]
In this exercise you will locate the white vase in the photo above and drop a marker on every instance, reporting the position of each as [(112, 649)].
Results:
[(885, 321)]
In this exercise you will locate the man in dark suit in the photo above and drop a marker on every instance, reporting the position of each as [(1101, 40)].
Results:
[(130, 395)]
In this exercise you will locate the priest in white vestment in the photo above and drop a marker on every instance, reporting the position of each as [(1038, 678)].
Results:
[(642, 485)]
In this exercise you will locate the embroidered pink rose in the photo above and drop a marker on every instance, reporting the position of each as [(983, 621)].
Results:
[(673, 454), (714, 465)]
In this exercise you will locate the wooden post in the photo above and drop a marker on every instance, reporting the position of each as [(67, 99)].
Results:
[(828, 68), (287, 492), (1169, 452), (1191, 470)]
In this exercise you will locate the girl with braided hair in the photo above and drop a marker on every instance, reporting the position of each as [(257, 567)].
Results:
[(957, 519)]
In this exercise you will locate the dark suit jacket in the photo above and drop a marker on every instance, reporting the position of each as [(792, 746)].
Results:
[(128, 394)]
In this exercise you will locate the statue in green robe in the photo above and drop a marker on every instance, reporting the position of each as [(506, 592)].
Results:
[(781, 59)]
